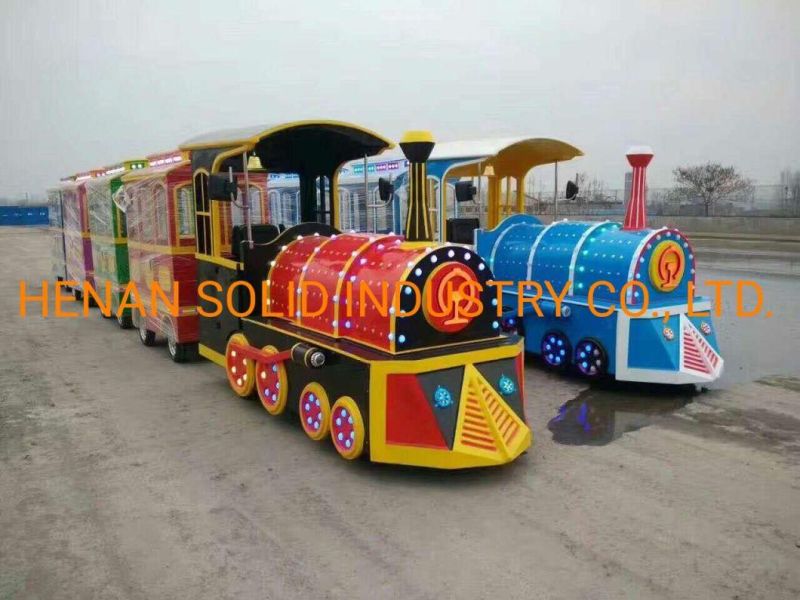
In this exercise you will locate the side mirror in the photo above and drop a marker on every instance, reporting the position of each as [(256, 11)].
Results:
[(465, 191), (385, 189), (572, 190), (220, 187)]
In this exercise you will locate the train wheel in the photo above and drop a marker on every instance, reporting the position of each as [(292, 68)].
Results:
[(347, 428), (147, 336), (555, 349), (591, 358), (240, 370), (315, 411), (180, 353), (125, 321), (272, 384)]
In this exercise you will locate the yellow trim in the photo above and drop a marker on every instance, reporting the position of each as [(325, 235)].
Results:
[(161, 249), (208, 237), (250, 142), (416, 135), (478, 395), (107, 239), (216, 228), (75, 233), (219, 260), (212, 355), (223, 156), (358, 427), (324, 406)]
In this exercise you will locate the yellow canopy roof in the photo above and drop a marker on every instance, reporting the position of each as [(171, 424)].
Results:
[(516, 157)]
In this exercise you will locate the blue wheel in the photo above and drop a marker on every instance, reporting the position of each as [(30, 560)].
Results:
[(591, 358), (555, 349)]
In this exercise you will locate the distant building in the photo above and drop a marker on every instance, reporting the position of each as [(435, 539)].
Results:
[(628, 183)]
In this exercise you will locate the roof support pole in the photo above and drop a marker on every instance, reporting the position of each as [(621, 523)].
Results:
[(246, 204), (555, 193)]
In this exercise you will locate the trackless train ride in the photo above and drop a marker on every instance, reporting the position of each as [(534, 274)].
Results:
[(629, 308), (441, 389)]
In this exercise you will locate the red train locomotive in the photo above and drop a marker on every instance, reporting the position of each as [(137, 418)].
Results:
[(399, 382)]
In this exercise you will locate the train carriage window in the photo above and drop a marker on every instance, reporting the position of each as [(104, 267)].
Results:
[(148, 217), (256, 209), (135, 222), (162, 226), (185, 211), (99, 211)]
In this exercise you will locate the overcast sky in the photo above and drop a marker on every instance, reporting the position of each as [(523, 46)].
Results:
[(88, 83)]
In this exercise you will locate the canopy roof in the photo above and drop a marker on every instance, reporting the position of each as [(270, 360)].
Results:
[(506, 156), (310, 147), (512, 156)]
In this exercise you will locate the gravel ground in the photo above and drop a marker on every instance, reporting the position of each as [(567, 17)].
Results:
[(123, 475)]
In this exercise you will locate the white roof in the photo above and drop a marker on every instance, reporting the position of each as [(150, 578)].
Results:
[(465, 149), (227, 137)]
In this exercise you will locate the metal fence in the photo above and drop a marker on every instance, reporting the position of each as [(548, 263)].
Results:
[(757, 201)]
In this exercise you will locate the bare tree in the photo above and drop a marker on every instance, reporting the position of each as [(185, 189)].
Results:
[(709, 182)]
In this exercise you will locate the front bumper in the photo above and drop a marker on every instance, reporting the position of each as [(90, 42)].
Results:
[(450, 412)]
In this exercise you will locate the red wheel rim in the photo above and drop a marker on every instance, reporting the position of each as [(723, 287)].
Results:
[(239, 368), (314, 411), (271, 384), (344, 433)]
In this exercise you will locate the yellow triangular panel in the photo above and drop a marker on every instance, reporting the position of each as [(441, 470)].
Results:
[(486, 424)]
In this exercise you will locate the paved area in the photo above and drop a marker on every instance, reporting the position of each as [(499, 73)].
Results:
[(123, 475)]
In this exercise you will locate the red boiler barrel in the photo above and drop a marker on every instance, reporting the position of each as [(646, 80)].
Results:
[(377, 263)]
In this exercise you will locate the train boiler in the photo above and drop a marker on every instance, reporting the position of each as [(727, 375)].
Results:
[(628, 307), (395, 382)]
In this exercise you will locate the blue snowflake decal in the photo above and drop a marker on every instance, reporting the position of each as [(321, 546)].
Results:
[(507, 385), (442, 398)]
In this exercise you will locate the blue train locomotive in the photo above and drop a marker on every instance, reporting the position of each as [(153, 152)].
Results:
[(627, 306)]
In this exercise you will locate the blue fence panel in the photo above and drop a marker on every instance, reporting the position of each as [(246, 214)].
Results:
[(23, 215)]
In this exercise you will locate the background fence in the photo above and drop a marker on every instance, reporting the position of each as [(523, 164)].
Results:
[(758, 200), (23, 215)]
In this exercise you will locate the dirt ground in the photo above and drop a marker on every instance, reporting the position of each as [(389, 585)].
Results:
[(123, 475)]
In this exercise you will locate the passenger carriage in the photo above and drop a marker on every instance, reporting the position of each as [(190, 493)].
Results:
[(77, 237), (109, 237), (158, 202)]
